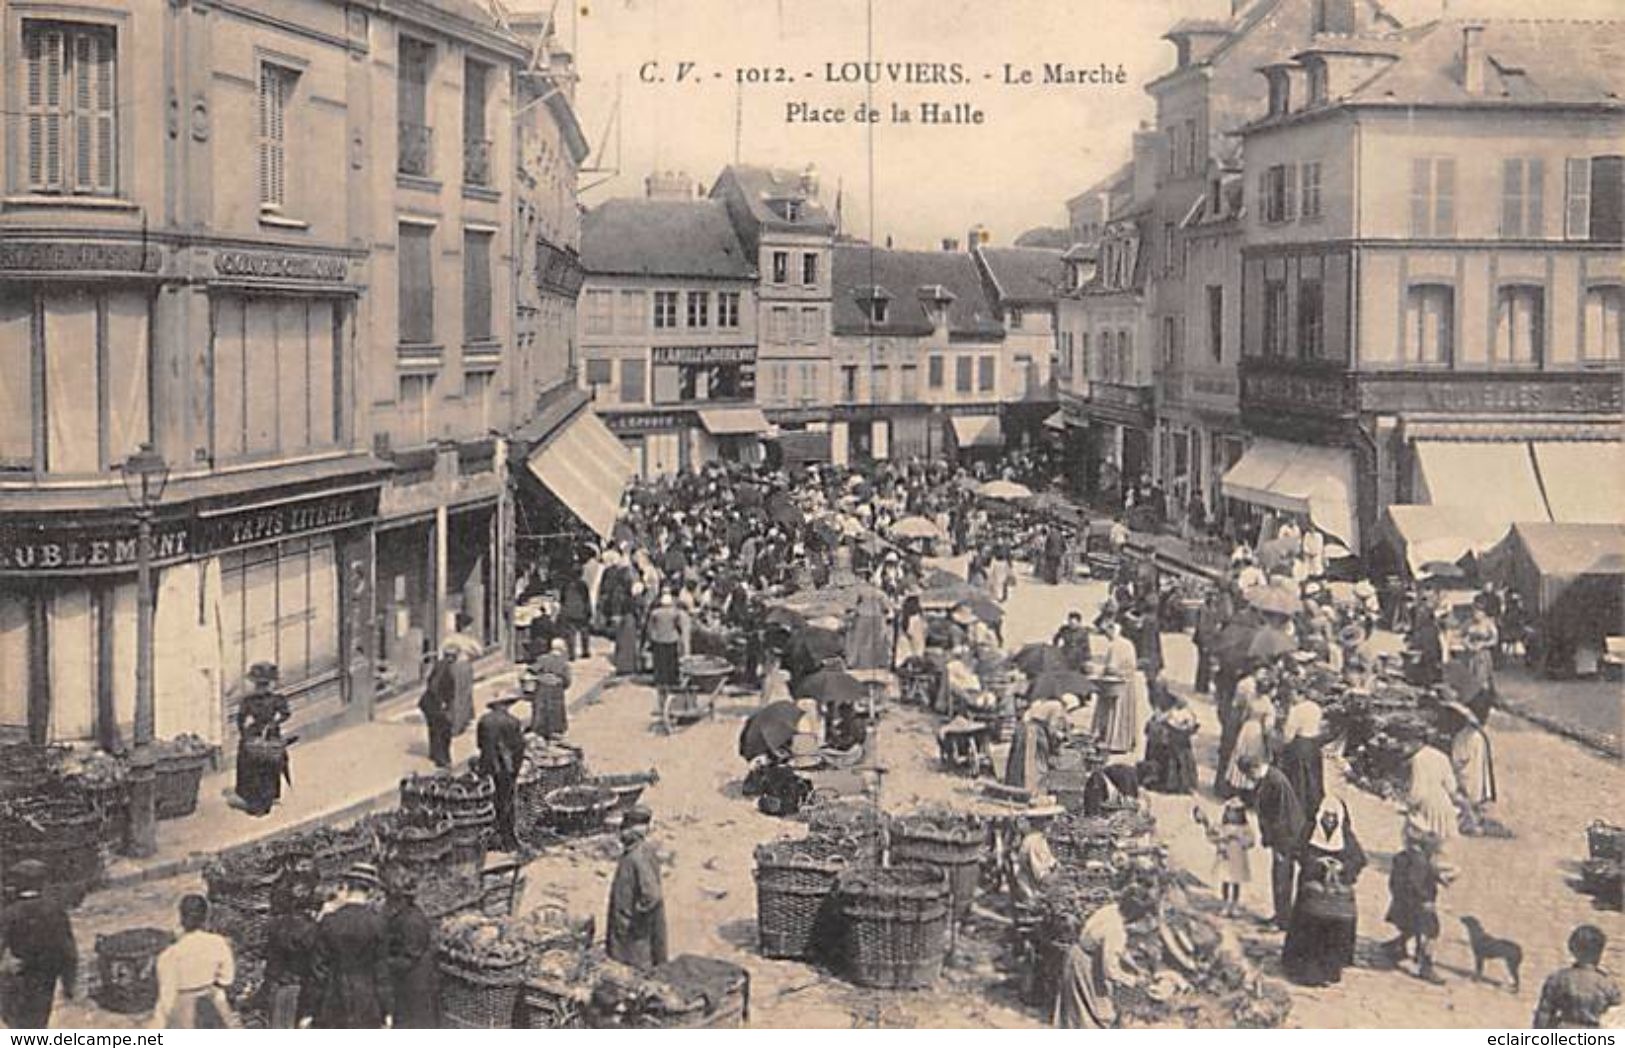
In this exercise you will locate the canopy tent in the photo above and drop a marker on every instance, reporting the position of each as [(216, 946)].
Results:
[(977, 431), (587, 468), (727, 422), (1584, 480), (1305, 479), (1419, 534), (1555, 566), (1494, 479)]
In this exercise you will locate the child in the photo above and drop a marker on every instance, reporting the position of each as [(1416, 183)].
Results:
[(1233, 841), (1413, 893), (1579, 996)]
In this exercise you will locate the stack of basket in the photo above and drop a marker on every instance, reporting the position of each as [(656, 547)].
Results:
[(795, 885), (478, 993), (126, 969), (547, 767), (896, 922), (953, 843), (578, 811), (419, 841), (64, 833), (1603, 871), (241, 887), (334, 851), (467, 800)]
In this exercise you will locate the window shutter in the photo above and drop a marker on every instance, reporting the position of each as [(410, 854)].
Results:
[(103, 115), (1444, 197), (1289, 182), (91, 70), (1263, 195), (1512, 198), (1421, 197), (1577, 201), (45, 64), (1534, 197), (273, 136)]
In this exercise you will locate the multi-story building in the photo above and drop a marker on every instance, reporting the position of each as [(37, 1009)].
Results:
[(668, 332), (1212, 89), (1431, 285), (1023, 285), (788, 235), (918, 355), (1086, 213)]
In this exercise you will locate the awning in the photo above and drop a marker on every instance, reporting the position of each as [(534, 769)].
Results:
[(1306, 479), (1055, 420), (1428, 533), (1584, 480), (588, 468), (977, 431), (1495, 480), (727, 422)]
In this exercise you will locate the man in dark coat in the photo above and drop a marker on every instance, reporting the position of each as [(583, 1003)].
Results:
[(352, 957), (1073, 640), (637, 907), (575, 615), (414, 976), (1281, 822), (502, 749), (38, 937), (438, 695)]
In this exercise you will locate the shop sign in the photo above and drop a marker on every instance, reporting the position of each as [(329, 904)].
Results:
[(646, 421), (1598, 395), (1296, 390), (287, 520), (43, 549), (1133, 398), (704, 354), (69, 257), (267, 265)]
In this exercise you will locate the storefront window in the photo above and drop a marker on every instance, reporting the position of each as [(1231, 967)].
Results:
[(280, 604)]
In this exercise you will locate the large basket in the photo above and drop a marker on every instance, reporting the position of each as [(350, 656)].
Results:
[(795, 883), (478, 998), (896, 925), (956, 847), (549, 768), (417, 842), (1605, 840), (627, 788), (247, 926), (62, 834), (576, 811), (176, 784), (548, 1007), (127, 969), (470, 832)]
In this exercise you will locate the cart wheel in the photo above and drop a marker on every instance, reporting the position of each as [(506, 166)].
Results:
[(666, 717)]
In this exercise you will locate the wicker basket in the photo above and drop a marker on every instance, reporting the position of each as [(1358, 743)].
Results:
[(248, 927), (576, 811), (176, 786), (795, 885), (626, 788), (126, 969), (475, 997), (956, 848), (62, 834), (1605, 840), (470, 833), (896, 924), (418, 843), (548, 1007), (550, 768)]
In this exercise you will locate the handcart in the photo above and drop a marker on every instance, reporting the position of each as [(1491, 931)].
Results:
[(701, 678)]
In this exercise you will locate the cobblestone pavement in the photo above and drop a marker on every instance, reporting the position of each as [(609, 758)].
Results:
[(1519, 887)]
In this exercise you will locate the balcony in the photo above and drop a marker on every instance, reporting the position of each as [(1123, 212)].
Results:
[(477, 162), (416, 150)]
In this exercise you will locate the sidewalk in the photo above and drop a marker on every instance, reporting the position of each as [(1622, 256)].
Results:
[(343, 775)]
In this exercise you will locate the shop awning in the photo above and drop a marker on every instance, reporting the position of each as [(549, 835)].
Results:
[(1428, 533), (977, 431), (1584, 480), (727, 422), (1055, 420), (1306, 479), (588, 468), (1496, 480)]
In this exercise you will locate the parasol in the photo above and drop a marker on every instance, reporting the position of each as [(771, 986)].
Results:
[(1334, 550), (1054, 684), (809, 647), (1274, 599), (769, 730), (915, 528), (1036, 659), (1005, 490), (831, 687), (1269, 642), (783, 511), (1231, 647)]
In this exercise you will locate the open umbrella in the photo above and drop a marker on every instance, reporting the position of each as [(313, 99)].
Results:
[(782, 511), (984, 607), (939, 578), (784, 618), (1005, 490), (769, 730), (830, 686), (1274, 600), (1233, 644), (1054, 684), (1269, 642), (1036, 659), (809, 648), (915, 528)]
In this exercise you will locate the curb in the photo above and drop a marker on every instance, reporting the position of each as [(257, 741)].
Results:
[(383, 799), (1598, 742)]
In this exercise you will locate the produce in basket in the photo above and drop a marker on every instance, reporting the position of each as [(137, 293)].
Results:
[(481, 941)]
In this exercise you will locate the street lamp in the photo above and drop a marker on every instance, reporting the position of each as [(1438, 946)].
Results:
[(145, 475)]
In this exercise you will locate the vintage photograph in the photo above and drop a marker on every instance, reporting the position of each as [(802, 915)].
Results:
[(836, 514)]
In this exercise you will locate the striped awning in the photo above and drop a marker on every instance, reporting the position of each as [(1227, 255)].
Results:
[(587, 468)]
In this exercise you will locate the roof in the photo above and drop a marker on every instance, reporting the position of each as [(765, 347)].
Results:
[(1568, 550), (909, 274), (763, 190), (468, 19), (1530, 61), (1110, 184), (689, 238), (1024, 274), (1244, 22)]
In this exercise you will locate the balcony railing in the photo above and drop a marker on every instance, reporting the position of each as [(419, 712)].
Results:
[(416, 151), (476, 162)]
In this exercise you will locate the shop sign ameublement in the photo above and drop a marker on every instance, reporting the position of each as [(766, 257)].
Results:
[(646, 421), (43, 549), (287, 520), (704, 354), (69, 257)]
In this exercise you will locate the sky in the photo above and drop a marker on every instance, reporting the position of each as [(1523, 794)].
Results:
[(1036, 146)]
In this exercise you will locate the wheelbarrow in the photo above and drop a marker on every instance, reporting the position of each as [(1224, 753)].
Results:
[(701, 678)]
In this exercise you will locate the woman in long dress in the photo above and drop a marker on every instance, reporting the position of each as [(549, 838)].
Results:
[(911, 631), (1300, 760), (866, 647), (1320, 936), (1117, 713), (259, 718), (1430, 804), (1252, 744), (629, 634), (1474, 762)]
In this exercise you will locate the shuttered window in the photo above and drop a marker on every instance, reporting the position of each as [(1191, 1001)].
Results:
[(276, 91), (416, 300), (476, 287), (70, 109)]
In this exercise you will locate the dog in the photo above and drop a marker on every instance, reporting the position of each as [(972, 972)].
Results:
[(1487, 947)]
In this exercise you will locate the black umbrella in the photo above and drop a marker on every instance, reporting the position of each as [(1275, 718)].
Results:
[(1232, 644), (769, 730), (809, 648), (1036, 659), (783, 511), (1055, 683), (830, 687), (781, 617), (1269, 642)]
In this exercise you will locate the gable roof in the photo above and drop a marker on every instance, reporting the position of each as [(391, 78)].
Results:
[(1110, 184), (909, 275), (688, 238), (763, 188), (1024, 274)]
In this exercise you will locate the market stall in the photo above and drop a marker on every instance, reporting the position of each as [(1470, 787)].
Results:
[(1571, 576)]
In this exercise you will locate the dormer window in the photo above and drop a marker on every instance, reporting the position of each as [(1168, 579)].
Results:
[(1280, 92), (878, 310), (792, 210), (1317, 83)]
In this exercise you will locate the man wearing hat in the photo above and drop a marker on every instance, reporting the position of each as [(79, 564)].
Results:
[(502, 749), (261, 764), (414, 976), (352, 957), (637, 908), (37, 946), (439, 696)]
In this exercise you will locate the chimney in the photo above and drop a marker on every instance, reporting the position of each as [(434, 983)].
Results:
[(950, 243), (1148, 148), (809, 182), (1472, 58), (977, 237)]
